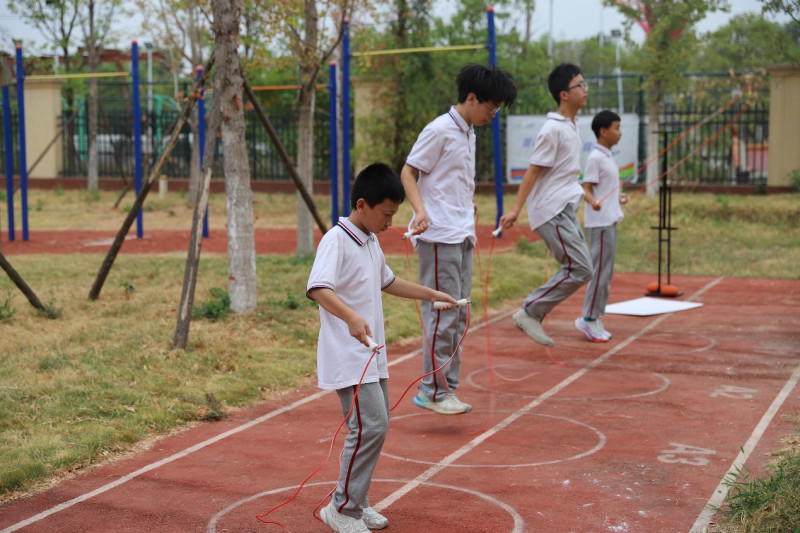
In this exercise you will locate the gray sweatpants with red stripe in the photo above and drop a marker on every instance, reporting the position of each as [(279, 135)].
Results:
[(446, 268), (564, 237), (368, 423), (603, 245)]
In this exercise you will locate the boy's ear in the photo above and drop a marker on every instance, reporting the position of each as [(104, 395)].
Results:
[(361, 203)]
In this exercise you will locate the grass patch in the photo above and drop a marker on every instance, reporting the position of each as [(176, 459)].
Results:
[(102, 377)]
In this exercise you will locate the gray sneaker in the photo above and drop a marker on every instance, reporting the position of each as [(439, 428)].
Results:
[(341, 523), (448, 406), (531, 327), (373, 519), (606, 333)]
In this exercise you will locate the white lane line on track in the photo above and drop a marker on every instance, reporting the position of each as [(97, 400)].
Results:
[(719, 494), (199, 446), (450, 459)]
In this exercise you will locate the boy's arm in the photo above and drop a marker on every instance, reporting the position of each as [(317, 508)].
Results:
[(409, 176), (588, 196), (330, 301), (408, 289), (528, 181)]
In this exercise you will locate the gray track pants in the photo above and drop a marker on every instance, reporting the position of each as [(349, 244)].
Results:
[(446, 268), (368, 423), (564, 237), (603, 245)]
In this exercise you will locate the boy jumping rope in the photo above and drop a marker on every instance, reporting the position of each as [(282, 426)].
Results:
[(601, 193), (550, 188), (346, 280), (439, 180)]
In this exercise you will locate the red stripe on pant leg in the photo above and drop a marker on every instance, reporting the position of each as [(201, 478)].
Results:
[(355, 452), (600, 269), (436, 327), (569, 268)]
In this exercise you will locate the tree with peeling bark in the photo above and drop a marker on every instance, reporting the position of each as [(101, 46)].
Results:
[(668, 24)]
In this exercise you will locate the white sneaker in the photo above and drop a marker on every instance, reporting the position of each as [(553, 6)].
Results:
[(465, 407), (448, 406), (593, 330), (341, 523), (531, 327), (606, 333), (373, 519)]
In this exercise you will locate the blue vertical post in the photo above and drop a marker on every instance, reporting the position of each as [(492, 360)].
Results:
[(23, 160), (498, 162), (201, 136), (346, 118), (9, 145), (137, 132), (334, 145)]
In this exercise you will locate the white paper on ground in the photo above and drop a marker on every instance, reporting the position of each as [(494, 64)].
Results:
[(649, 306)]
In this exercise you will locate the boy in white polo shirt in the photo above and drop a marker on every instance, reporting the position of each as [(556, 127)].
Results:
[(346, 280), (550, 188), (439, 179), (601, 193)]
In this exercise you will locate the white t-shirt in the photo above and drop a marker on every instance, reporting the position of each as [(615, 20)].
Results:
[(444, 154), (351, 263), (604, 173), (558, 150)]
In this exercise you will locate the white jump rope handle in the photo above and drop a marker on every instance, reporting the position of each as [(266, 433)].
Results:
[(372, 344), (445, 305), (408, 234), (496, 232)]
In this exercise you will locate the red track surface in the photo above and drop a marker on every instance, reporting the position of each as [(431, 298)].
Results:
[(634, 435)]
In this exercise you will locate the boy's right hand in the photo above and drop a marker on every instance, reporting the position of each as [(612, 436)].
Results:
[(508, 220), (419, 223)]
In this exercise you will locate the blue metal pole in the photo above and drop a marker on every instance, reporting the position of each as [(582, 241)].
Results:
[(23, 162), (498, 163), (333, 144), (137, 133), (9, 160), (346, 118), (201, 136)]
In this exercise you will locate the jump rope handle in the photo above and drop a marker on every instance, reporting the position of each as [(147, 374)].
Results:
[(444, 305), (372, 344), (496, 232), (408, 234)]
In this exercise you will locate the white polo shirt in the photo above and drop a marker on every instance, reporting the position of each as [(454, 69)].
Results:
[(444, 155), (351, 263), (602, 170), (558, 150)]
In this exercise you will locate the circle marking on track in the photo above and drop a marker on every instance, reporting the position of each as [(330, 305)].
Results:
[(665, 383), (601, 442), (519, 522)]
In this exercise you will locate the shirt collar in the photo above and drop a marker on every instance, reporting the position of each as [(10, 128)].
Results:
[(459, 120), (358, 236), (603, 150)]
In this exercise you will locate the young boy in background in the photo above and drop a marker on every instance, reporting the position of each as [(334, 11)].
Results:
[(601, 194), (347, 279), (439, 180), (551, 190)]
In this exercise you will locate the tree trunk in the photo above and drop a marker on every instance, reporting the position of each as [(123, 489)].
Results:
[(305, 134), (228, 89), (92, 178)]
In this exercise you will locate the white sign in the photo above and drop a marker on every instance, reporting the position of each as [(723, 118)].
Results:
[(522, 130)]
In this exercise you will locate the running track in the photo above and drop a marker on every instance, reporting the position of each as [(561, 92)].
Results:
[(634, 435)]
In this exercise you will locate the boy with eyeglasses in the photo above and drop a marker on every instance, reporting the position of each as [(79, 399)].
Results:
[(439, 181), (550, 188)]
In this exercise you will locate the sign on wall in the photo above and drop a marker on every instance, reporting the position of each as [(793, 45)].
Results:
[(522, 130)]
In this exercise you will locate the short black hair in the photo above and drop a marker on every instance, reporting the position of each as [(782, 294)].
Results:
[(376, 183), (603, 119), (487, 83), (559, 79)]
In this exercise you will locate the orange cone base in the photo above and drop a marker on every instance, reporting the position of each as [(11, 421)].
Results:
[(670, 291)]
